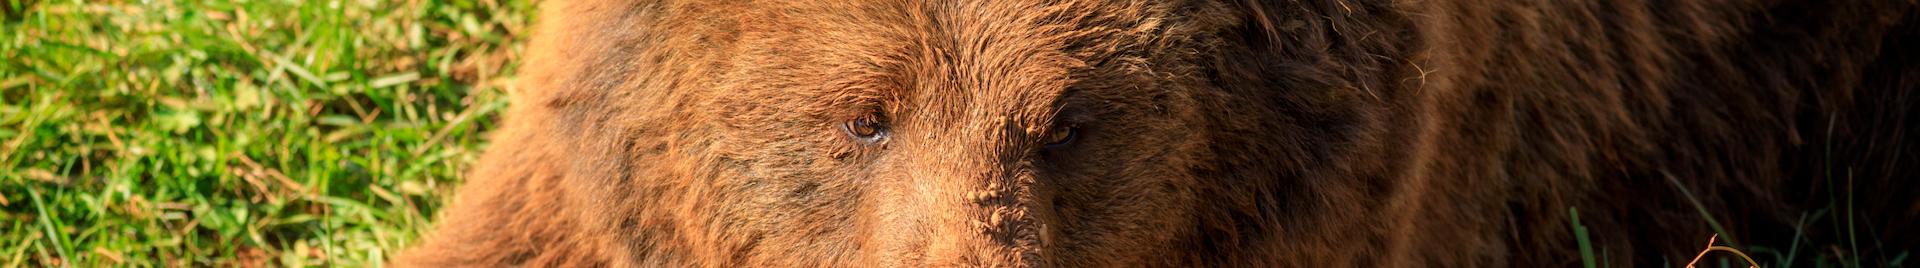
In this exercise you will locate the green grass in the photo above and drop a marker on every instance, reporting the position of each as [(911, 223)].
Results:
[(240, 132), (1580, 237), (1843, 253)]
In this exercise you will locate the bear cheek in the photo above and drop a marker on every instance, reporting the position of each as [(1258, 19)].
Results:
[(1126, 195), (1122, 215)]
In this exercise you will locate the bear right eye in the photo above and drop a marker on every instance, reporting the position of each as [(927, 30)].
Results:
[(1061, 136), (865, 129)]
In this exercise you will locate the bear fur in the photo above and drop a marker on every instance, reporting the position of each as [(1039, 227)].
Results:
[(1094, 133)]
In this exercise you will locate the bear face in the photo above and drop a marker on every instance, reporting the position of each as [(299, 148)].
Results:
[(909, 134), (953, 139), (906, 134)]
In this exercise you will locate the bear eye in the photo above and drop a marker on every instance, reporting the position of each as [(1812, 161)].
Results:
[(865, 129), (1061, 136)]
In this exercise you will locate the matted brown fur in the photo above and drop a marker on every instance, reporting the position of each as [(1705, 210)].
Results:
[(1325, 133)]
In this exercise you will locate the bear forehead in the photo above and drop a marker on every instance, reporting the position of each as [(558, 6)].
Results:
[(948, 59)]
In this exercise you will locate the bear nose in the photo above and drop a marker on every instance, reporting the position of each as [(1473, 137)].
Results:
[(964, 206), (997, 226)]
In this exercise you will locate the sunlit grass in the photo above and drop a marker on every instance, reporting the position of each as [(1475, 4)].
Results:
[(220, 133)]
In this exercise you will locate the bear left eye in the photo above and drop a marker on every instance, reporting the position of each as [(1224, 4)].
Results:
[(865, 129), (1061, 136)]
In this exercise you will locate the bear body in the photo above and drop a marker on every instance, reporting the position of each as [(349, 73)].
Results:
[(1082, 133)]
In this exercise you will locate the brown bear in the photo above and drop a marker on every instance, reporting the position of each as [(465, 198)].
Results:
[(1179, 133)]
